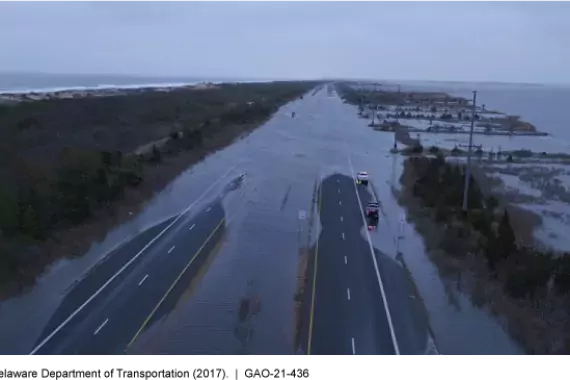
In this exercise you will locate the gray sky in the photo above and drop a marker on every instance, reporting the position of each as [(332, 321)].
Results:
[(483, 41)]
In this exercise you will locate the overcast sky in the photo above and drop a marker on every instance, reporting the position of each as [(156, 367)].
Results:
[(507, 42)]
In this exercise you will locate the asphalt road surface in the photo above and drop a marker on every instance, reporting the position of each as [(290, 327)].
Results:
[(349, 316), (139, 293), (220, 277)]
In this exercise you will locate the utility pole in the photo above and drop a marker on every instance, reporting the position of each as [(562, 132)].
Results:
[(373, 105), (400, 233), (468, 166), (393, 179)]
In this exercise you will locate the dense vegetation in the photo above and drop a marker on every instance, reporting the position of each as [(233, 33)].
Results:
[(528, 288), (64, 159), (524, 272), (389, 94)]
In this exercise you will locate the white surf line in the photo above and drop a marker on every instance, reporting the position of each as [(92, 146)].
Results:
[(100, 327), (384, 299), (72, 315), (348, 293), (144, 278), (343, 236), (345, 260), (353, 350), (171, 249), (190, 229)]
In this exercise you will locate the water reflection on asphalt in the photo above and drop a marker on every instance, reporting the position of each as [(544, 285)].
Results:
[(242, 301)]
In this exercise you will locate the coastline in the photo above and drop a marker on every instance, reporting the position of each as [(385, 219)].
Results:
[(109, 86), (97, 91)]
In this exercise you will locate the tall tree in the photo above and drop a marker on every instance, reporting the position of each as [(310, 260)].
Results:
[(506, 237)]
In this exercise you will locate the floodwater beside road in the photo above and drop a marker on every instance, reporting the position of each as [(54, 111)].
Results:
[(458, 326), (346, 292), (244, 303), (83, 287)]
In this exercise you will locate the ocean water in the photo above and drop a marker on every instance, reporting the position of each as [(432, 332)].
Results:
[(38, 82), (542, 105), (464, 329)]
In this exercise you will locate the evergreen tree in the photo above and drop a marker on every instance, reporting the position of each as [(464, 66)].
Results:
[(491, 204), (506, 237), (155, 156)]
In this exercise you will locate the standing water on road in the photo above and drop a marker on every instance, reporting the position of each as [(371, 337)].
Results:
[(458, 326), (255, 267), (242, 299)]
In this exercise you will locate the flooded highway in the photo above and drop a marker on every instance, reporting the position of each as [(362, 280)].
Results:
[(256, 199)]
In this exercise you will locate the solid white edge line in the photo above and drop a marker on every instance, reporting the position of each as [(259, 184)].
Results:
[(190, 229), (348, 293), (353, 350), (100, 327), (72, 315), (171, 249), (384, 299)]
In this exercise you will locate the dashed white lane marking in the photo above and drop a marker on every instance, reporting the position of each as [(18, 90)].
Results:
[(209, 208), (122, 269), (143, 280), (353, 350), (100, 327), (190, 229), (340, 203), (339, 191), (171, 249), (345, 260), (384, 299), (343, 236), (348, 293), (341, 219)]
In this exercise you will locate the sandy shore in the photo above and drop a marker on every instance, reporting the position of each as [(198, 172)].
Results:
[(72, 93)]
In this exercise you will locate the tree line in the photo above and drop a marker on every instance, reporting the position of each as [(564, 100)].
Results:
[(41, 191), (523, 271)]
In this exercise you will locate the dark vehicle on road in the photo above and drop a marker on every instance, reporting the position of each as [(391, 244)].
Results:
[(372, 210), (372, 215)]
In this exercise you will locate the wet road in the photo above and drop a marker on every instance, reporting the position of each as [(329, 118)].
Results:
[(348, 313), (241, 297), (114, 303), (235, 294)]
